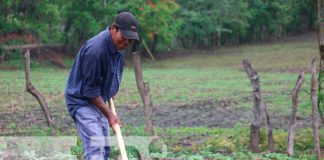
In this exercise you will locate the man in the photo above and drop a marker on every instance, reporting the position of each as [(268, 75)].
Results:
[(95, 78)]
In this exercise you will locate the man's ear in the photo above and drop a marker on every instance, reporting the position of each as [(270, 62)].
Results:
[(113, 28)]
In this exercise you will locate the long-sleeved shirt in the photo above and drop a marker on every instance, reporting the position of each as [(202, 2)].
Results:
[(97, 71)]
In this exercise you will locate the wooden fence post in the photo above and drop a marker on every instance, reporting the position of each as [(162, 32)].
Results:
[(37, 94), (320, 38), (255, 125), (144, 91), (268, 124), (258, 104), (315, 110), (292, 122)]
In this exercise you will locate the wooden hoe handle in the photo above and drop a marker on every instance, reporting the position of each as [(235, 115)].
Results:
[(116, 127)]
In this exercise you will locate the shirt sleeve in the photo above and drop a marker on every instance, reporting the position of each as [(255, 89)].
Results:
[(91, 79)]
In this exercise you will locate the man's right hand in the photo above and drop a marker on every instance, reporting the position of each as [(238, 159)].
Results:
[(113, 120)]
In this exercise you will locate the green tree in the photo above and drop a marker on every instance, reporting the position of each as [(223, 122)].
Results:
[(83, 19), (276, 18), (206, 21), (197, 23), (40, 18), (303, 14), (158, 23)]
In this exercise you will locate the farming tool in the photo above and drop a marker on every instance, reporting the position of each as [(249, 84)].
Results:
[(116, 127)]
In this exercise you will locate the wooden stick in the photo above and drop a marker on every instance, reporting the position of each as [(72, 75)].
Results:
[(258, 104), (116, 127), (144, 91), (268, 125), (292, 122), (37, 94), (29, 46), (313, 90), (255, 125), (148, 50)]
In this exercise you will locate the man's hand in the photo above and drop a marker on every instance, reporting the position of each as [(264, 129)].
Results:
[(113, 120)]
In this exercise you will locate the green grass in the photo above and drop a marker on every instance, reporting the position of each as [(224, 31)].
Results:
[(209, 74), (168, 86), (263, 56), (226, 143)]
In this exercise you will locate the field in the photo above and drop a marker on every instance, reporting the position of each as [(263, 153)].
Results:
[(202, 99)]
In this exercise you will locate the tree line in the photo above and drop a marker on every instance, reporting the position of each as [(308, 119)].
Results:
[(163, 23)]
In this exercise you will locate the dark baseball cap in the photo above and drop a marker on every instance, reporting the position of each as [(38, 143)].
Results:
[(127, 24)]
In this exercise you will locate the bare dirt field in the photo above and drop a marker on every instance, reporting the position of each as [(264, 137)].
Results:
[(201, 113)]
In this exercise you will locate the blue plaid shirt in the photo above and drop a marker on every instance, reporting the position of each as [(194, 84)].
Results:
[(97, 71)]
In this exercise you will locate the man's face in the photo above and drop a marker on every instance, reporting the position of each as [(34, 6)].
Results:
[(118, 39)]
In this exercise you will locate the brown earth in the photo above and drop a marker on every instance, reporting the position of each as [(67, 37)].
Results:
[(201, 113), (54, 56)]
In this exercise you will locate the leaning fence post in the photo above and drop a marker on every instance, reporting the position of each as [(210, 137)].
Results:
[(292, 122), (37, 94), (143, 88)]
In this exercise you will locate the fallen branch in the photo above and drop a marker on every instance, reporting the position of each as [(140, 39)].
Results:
[(28, 46), (33, 91), (292, 122)]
